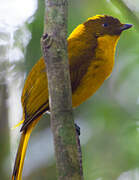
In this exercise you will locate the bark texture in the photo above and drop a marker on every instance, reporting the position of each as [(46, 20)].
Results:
[(60, 99)]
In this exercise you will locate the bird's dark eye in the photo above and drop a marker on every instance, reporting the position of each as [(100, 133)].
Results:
[(105, 24)]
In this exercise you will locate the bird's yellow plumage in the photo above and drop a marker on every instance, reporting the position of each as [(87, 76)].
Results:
[(91, 51)]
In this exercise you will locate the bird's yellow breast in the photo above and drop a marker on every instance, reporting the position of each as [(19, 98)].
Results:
[(100, 69)]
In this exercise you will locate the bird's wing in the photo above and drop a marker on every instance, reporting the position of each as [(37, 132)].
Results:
[(35, 93)]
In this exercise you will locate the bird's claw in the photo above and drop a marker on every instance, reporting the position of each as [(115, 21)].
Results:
[(77, 129)]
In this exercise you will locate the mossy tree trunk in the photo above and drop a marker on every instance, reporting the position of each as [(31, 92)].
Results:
[(60, 99)]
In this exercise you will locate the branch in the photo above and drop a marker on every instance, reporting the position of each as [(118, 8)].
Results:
[(127, 12), (54, 45)]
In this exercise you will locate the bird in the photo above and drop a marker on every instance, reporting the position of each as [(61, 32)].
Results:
[(91, 54)]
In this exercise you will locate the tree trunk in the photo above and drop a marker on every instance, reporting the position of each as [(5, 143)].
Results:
[(60, 99)]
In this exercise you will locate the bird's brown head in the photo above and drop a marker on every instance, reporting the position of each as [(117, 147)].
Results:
[(101, 25), (98, 32)]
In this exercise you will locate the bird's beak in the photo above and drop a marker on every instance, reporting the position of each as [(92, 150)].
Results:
[(125, 26)]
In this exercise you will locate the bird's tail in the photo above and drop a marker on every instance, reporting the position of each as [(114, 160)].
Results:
[(20, 156)]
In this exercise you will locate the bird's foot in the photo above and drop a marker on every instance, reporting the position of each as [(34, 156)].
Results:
[(77, 129)]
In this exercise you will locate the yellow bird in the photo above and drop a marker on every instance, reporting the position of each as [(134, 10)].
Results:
[(91, 51)]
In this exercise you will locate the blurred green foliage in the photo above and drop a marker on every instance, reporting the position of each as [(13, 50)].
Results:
[(36, 27), (113, 112)]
